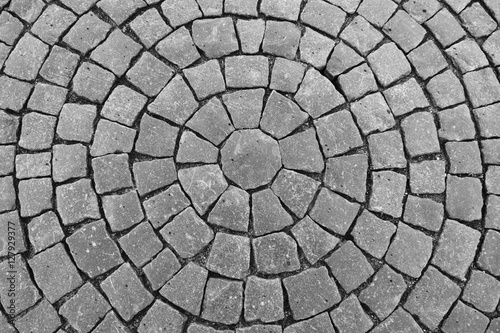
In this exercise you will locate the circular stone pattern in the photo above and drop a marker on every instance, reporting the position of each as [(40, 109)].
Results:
[(244, 166)]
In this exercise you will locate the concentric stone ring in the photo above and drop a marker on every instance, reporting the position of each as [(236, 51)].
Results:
[(249, 166)]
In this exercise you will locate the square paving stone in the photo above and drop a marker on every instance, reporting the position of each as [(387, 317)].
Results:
[(152, 175), (33, 165), (180, 12), (482, 87), (109, 323), (93, 250), (88, 32), (125, 292), (492, 181), (53, 22), (420, 134), (349, 266), (111, 137), (482, 291), (311, 292), (350, 316), (149, 74), (490, 47), (14, 93), (384, 292), (386, 150), (85, 309), (456, 249), (25, 60), (274, 8), (210, 7), (92, 82), (464, 198), (445, 27), (133, 244), (320, 323), (245, 106), (10, 222), (193, 149), (494, 326), (76, 202), (162, 206), (123, 105), (372, 234), (55, 273), (162, 268), (405, 97), (456, 124), (339, 138), (35, 195), (467, 55), (161, 317), (44, 230), (389, 64), (250, 33), (223, 302), (377, 12), (463, 318), (43, 316), (47, 98), (313, 240), (427, 59), (492, 219), (477, 21), (488, 119), (323, 16), (464, 157), (215, 37), (37, 131), (241, 7), (275, 253), (446, 90), (410, 251), (188, 234), (489, 259), (263, 300), (373, 114), (69, 161), (490, 150), (156, 137), (315, 48), (268, 213), (178, 47), (111, 173), (398, 321), (404, 31), (281, 38), (150, 27), (76, 122), (206, 79), (432, 297), (9, 125), (27, 10), (247, 71), (286, 75), (230, 255), (186, 288), (120, 10), (424, 212), (428, 177), (8, 195), (7, 158), (232, 210), (361, 35), (388, 191), (122, 210), (342, 58), (357, 82)]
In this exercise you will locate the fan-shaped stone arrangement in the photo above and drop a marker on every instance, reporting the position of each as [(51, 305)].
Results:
[(249, 166)]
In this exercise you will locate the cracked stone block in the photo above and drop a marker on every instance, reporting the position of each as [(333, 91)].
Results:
[(427, 60), (93, 250), (372, 234), (456, 124), (313, 240), (281, 116), (69, 161), (488, 120), (320, 323), (361, 35), (35, 196), (33, 165), (92, 82), (43, 316), (152, 175), (464, 318), (424, 212), (389, 64), (133, 244), (482, 87), (357, 82), (45, 230), (349, 266), (53, 22), (85, 309), (175, 102), (467, 55), (193, 149), (477, 21), (149, 74), (482, 291), (212, 122), (186, 288), (245, 106), (88, 32), (180, 12), (491, 47), (464, 157), (223, 302), (230, 256), (37, 131), (76, 202), (286, 75), (27, 10), (47, 98), (162, 268), (410, 251), (206, 79), (162, 206), (215, 37), (404, 31), (10, 29), (492, 181), (8, 196), (7, 158), (301, 152), (315, 48), (281, 39), (337, 133), (76, 122), (373, 114), (263, 300), (445, 27), (111, 173), (422, 10), (350, 316), (125, 292), (388, 191), (55, 273), (384, 293), (398, 321), (187, 233), (110, 323), (342, 58), (377, 12), (123, 105), (120, 10), (112, 138), (275, 253), (268, 213), (150, 27), (324, 17), (386, 150), (232, 210), (161, 317), (211, 7), (328, 204), (420, 134), (428, 177), (9, 125), (464, 198), (247, 71), (405, 97), (488, 259), (178, 47), (490, 150), (156, 137), (446, 90), (250, 33), (8, 221), (122, 211)]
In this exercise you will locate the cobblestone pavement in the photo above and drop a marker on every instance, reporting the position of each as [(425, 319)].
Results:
[(249, 166)]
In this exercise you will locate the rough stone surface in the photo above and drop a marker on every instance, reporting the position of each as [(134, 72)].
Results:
[(230, 256), (263, 300), (223, 301), (268, 213), (373, 234), (350, 317), (76, 202), (275, 253), (281, 116)]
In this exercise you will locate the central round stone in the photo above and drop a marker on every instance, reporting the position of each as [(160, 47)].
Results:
[(250, 158)]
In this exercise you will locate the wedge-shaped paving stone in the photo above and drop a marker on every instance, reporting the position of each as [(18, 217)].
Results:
[(37, 131), (206, 79), (404, 31), (161, 207), (125, 292), (52, 23), (323, 16), (281, 38), (180, 12), (464, 157), (456, 124), (162, 268), (76, 122), (245, 106), (398, 321), (428, 176), (88, 32), (311, 292), (150, 27), (232, 210), (420, 134), (377, 12), (349, 266), (388, 191), (35, 196), (212, 122), (120, 10), (92, 82), (286, 75), (405, 97), (69, 161), (488, 120), (342, 58), (122, 210), (230, 256), (156, 137), (44, 230), (8, 196), (295, 190), (178, 47), (389, 64), (133, 244), (445, 27), (432, 297), (463, 318), (149, 74), (275, 253), (77, 202), (111, 173), (482, 87), (347, 175), (488, 259), (33, 165), (320, 324), (47, 98), (123, 105), (424, 212), (386, 150), (301, 152), (358, 82), (315, 48), (110, 323), (43, 316), (54, 273), (223, 301), (373, 114), (215, 37), (268, 213), (410, 251), (337, 133), (187, 233), (281, 116), (85, 309), (467, 55), (27, 10), (384, 292), (263, 300), (9, 124), (350, 316), (161, 317), (175, 102), (373, 234), (361, 35), (14, 93), (186, 288), (482, 291), (247, 71), (329, 204), (93, 250), (250, 33), (464, 198), (193, 149)]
